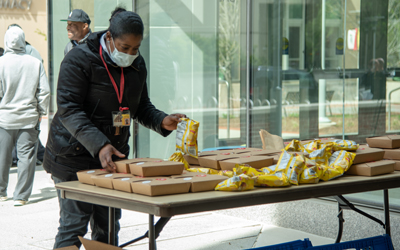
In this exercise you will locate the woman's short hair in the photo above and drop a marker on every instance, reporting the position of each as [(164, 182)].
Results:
[(124, 22)]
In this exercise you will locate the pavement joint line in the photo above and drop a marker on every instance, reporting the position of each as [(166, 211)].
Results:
[(145, 241), (215, 231), (259, 233)]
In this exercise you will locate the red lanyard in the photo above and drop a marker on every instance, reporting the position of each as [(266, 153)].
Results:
[(120, 94)]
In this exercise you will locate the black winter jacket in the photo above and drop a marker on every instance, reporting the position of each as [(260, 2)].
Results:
[(86, 99)]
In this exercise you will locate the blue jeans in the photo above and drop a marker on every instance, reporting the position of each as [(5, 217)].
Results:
[(74, 219)]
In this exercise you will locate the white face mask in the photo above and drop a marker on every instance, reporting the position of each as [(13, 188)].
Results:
[(120, 58)]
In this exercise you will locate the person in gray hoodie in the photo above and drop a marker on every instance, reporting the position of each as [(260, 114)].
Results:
[(24, 99), (29, 49)]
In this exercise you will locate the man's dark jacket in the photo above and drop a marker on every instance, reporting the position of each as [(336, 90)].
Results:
[(86, 99)]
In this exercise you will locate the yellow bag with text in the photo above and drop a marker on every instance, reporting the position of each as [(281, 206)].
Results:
[(292, 165), (339, 163), (203, 170), (186, 137), (178, 157), (345, 145), (295, 146), (311, 146), (269, 169), (320, 156), (236, 183), (312, 172), (278, 179), (247, 170), (228, 173), (342, 159)]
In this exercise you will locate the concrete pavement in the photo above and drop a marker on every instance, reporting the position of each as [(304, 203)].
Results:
[(33, 226)]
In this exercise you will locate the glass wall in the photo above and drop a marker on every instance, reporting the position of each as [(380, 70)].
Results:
[(180, 49), (301, 69)]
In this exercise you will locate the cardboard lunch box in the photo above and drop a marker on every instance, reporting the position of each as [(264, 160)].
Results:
[(251, 160), (367, 154), (267, 152), (123, 165), (156, 168), (105, 180), (185, 173), (392, 154), (124, 183), (85, 176), (388, 141), (396, 165), (214, 152), (203, 182), (161, 186), (191, 160), (372, 168), (213, 161), (244, 150), (96, 245)]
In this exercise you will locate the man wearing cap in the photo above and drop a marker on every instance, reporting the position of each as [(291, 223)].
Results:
[(78, 28)]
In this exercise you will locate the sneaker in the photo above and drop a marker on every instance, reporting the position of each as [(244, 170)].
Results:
[(3, 198), (18, 203), (38, 163)]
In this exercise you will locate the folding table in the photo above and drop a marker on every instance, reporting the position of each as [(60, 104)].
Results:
[(171, 205)]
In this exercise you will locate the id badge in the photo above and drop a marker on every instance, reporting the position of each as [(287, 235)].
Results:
[(121, 118)]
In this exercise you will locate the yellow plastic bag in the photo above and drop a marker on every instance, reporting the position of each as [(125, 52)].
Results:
[(203, 170), (178, 157), (328, 148), (321, 156), (186, 137), (278, 179), (292, 165), (228, 173), (294, 145), (311, 146), (312, 172), (339, 163), (236, 183), (247, 170), (345, 145), (342, 159), (269, 169), (331, 173)]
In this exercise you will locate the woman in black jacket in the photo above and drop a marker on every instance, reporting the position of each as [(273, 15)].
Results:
[(100, 83)]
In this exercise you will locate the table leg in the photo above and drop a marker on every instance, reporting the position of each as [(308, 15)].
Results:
[(386, 210), (341, 220), (152, 236), (111, 226)]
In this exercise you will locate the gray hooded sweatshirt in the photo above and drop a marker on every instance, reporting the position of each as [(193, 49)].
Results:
[(24, 90)]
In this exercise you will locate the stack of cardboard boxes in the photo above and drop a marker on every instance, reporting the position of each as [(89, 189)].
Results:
[(380, 156), (227, 159), (150, 176), (153, 177)]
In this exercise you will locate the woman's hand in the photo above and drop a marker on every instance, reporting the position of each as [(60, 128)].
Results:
[(105, 155), (171, 122)]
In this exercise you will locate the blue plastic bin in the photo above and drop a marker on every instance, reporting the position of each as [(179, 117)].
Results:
[(293, 245), (383, 242)]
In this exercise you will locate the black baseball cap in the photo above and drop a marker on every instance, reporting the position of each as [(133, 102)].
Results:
[(78, 15)]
